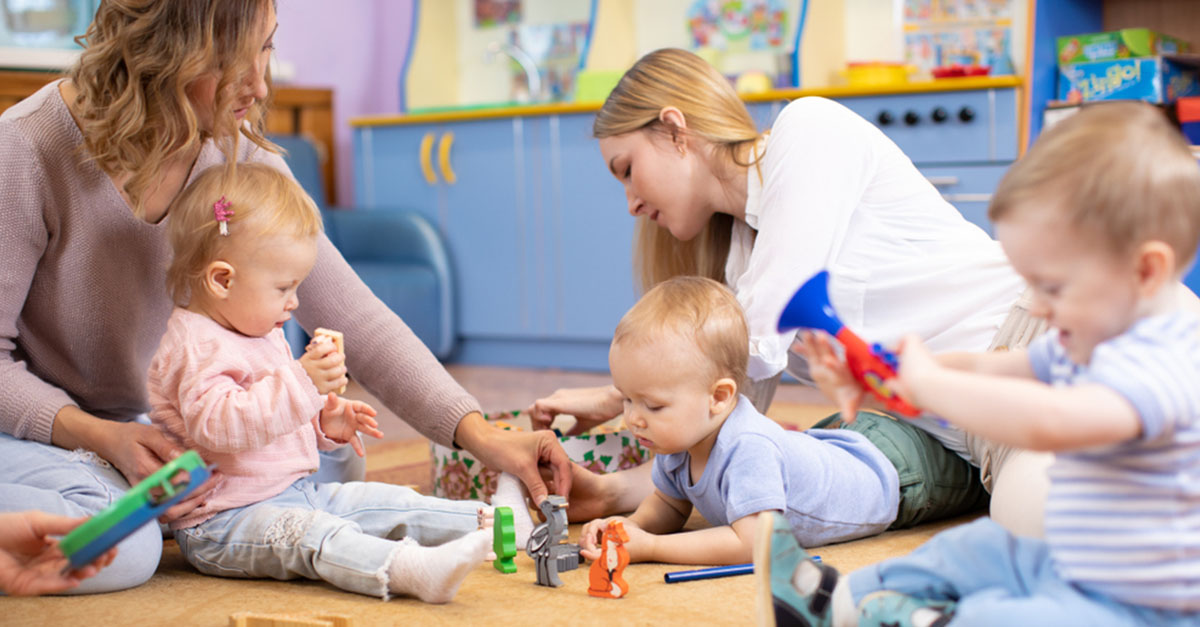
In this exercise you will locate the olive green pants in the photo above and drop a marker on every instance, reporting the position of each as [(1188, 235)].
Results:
[(934, 482)]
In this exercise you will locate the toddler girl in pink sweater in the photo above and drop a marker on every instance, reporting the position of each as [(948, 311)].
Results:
[(224, 383)]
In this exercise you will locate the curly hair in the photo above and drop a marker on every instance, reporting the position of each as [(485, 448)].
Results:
[(139, 58)]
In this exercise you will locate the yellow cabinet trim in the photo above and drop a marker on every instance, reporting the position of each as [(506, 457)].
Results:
[(559, 108)]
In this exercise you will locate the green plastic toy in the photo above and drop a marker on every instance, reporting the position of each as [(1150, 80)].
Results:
[(504, 540), (143, 503)]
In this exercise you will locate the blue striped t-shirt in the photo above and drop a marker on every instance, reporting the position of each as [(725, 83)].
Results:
[(1124, 520)]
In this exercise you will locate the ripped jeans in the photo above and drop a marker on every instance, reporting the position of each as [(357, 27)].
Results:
[(342, 533)]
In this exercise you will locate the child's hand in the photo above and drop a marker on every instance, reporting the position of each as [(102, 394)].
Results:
[(324, 365), (916, 362), (592, 535), (341, 420), (640, 544), (830, 373)]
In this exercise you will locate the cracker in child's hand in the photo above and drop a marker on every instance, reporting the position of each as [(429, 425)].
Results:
[(338, 340)]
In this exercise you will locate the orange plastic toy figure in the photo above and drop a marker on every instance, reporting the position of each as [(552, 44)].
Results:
[(605, 578)]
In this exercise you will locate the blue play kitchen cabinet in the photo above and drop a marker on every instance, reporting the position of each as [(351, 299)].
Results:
[(537, 228)]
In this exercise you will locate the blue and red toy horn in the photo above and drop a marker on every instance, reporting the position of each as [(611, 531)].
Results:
[(810, 308), (873, 366)]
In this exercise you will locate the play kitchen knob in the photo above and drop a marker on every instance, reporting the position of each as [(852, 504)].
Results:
[(885, 118), (966, 114), (911, 118), (939, 115)]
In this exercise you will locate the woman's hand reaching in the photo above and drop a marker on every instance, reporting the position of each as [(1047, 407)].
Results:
[(137, 450), (589, 406)]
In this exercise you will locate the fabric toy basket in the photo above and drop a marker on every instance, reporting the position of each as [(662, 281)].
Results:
[(459, 475)]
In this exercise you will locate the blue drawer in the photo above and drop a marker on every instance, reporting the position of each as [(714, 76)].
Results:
[(968, 188)]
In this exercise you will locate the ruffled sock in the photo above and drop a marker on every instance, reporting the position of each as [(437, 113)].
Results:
[(433, 573)]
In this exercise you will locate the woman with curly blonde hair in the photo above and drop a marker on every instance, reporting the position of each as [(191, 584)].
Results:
[(88, 168)]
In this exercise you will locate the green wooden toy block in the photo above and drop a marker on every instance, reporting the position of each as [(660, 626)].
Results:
[(504, 540)]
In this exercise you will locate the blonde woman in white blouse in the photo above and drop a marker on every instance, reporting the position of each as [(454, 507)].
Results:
[(760, 212)]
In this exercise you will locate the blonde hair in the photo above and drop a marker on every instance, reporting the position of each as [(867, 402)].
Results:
[(698, 309), (1117, 171), (676, 78), (263, 200), (139, 58)]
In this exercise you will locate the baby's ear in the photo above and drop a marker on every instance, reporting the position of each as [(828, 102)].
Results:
[(218, 279), (1156, 267), (724, 394)]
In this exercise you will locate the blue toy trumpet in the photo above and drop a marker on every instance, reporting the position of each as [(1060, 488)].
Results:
[(872, 366)]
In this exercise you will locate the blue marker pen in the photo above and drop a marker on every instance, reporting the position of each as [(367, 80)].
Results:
[(714, 572)]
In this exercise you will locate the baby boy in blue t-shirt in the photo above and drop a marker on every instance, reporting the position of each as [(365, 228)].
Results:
[(678, 357)]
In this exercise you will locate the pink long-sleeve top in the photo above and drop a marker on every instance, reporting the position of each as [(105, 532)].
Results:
[(242, 402)]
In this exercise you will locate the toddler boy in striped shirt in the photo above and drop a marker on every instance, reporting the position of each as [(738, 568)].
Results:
[(1102, 217)]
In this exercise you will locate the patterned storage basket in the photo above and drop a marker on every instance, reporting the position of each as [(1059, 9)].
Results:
[(458, 475)]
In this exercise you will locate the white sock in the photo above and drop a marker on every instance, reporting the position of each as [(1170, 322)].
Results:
[(486, 519), (925, 616), (433, 573), (510, 492), (845, 614), (807, 579)]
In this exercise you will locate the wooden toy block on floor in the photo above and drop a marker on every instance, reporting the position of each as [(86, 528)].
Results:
[(548, 543), (258, 619), (504, 540), (606, 579)]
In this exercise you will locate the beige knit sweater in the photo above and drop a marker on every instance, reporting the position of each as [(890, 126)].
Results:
[(83, 302)]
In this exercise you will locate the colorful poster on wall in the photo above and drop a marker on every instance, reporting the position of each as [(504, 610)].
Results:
[(555, 50), (942, 33), (738, 25), (490, 13)]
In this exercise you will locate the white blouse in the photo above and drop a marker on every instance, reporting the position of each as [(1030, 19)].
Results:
[(837, 194)]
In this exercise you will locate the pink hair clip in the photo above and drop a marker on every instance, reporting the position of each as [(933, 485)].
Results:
[(222, 212)]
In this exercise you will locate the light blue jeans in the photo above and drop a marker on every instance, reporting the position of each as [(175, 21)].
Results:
[(342, 533), (1000, 579), (70, 483)]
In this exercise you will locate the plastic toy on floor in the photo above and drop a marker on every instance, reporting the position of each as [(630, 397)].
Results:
[(548, 543), (504, 542), (607, 575), (810, 308), (143, 503)]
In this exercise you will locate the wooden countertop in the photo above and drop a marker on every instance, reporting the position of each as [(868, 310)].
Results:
[(483, 112)]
